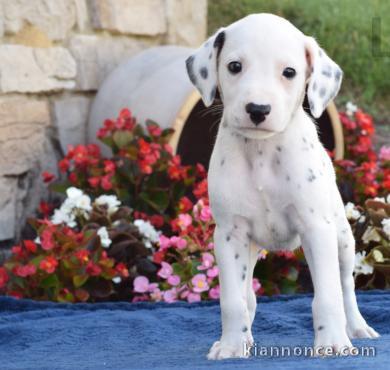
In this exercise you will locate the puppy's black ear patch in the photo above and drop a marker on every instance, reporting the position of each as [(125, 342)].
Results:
[(190, 69), (219, 41)]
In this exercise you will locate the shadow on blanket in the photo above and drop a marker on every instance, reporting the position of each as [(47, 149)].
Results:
[(41, 335)]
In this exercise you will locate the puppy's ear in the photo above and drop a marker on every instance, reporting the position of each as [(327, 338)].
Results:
[(324, 77), (202, 67)]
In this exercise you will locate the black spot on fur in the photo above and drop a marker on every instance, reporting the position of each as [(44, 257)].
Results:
[(243, 277), (311, 210), (320, 52), (190, 69), (320, 327), (327, 71), (210, 55), (244, 329), (244, 268), (260, 152), (314, 86), (204, 72), (222, 162), (311, 177), (288, 178), (304, 139), (235, 226), (236, 256), (228, 238), (337, 75), (246, 140), (248, 235), (311, 105), (219, 41), (322, 92), (344, 231), (212, 93), (345, 246), (279, 148)]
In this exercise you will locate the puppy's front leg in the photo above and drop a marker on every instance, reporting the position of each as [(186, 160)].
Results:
[(232, 252), (321, 251)]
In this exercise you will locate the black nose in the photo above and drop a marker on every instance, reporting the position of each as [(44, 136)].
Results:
[(257, 112)]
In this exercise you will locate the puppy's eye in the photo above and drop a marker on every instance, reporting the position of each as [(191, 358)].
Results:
[(289, 73), (234, 67)]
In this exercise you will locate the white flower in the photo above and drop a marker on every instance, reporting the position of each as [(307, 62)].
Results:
[(117, 279), (111, 201), (37, 240), (350, 108), (362, 219), (351, 212), (61, 217), (73, 193), (388, 199), (150, 234), (104, 237), (361, 266), (371, 235), (378, 256), (383, 200), (386, 226)]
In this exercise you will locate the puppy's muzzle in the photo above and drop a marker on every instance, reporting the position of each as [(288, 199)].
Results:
[(257, 112)]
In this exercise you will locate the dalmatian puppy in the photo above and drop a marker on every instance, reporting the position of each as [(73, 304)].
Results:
[(271, 182)]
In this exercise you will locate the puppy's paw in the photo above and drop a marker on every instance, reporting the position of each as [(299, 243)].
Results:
[(223, 349), (361, 330), (330, 342)]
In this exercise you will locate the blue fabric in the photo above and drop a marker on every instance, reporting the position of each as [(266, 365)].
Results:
[(41, 335)]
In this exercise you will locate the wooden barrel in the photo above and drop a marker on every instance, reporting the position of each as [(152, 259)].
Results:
[(154, 85)]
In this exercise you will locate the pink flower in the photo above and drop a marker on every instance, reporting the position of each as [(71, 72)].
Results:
[(178, 242), (214, 292), (384, 153), (213, 272), (207, 261), (210, 245), (193, 297), (184, 221), (156, 295), (166, 270), (165, 242), (205, 214), (141, 284), (256, 284), (173, 280), (170, 295), (199, 283)]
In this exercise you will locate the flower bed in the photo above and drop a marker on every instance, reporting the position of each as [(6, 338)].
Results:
[(138, 226)]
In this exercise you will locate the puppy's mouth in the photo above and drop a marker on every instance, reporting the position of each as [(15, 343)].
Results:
[(254, 133)]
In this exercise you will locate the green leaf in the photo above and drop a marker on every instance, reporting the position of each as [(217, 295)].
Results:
[(50, 281), (122, 138), (157, 200), (79, 280), (60, 187)]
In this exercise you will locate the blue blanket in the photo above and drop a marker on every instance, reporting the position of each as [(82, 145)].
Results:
[(41, 335)]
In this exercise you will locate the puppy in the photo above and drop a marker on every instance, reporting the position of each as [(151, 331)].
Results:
[(271, 182)]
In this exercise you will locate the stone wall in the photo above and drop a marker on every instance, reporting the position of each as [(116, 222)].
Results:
[(54, 54)]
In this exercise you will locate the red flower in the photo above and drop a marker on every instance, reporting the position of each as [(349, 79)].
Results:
[(158, 257), (157, 221), (73, 178), (24, 271), (92, 269), (45, 208), (17, 251), (82, 255), (49, 264), (3, 277), (185, 205), (47, 241), (144, 167), (47, 177), (94, 181), (201, 189), (30, 246), (122, 269), (109, 166), (144, 147), (15, 294), (106, 182), (154, 130), (64, 165)]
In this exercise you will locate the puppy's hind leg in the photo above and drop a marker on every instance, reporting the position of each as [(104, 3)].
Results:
[(357, 327), (232, 254)]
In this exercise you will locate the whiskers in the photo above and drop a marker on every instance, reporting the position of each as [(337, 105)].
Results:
[(215, 110)]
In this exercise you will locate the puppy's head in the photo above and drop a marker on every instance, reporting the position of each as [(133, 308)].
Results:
[(261, 66)]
